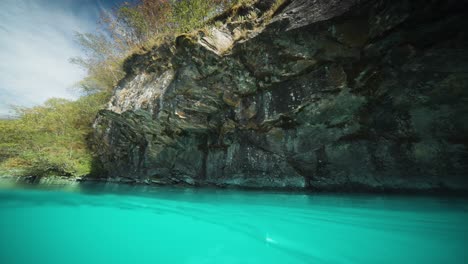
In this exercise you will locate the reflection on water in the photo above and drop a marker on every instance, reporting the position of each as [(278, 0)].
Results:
[(110, 223)]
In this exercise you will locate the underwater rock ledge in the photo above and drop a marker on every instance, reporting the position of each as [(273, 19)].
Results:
[(326, 95)]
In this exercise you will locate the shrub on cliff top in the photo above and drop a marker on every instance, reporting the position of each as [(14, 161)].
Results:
[(137, 26)]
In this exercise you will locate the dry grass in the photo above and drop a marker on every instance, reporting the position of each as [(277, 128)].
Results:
[(241, 33)]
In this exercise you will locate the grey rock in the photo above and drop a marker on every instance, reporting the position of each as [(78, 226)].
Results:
[(328, 95)]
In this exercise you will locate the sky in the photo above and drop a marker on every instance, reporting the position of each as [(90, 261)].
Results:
[(36, 43)]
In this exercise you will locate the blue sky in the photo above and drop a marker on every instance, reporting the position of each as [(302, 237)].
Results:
[(36, 42)]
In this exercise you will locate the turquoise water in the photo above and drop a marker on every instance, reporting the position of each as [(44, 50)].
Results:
[(112, 224)]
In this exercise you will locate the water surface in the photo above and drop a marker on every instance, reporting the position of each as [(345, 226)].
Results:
[(121, 224)]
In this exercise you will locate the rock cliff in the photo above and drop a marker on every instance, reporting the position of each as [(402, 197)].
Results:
[(321, 94)]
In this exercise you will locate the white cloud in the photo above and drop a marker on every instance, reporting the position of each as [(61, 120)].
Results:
[(36, 42)]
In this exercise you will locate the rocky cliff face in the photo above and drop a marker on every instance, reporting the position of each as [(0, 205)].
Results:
[(326, 94)]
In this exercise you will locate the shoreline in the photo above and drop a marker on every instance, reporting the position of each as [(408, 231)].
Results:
[(338, 190)]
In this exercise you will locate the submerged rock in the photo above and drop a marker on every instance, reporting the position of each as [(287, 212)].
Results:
[(325, 95)]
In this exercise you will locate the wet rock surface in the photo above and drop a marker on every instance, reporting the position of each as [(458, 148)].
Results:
[(327, 95)]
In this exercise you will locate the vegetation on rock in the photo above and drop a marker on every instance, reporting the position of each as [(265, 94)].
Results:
[(135, 28)]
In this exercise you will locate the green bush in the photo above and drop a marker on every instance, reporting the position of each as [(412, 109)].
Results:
[(51, 139)]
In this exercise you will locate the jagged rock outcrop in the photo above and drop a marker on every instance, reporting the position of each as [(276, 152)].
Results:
[(326, 94)]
